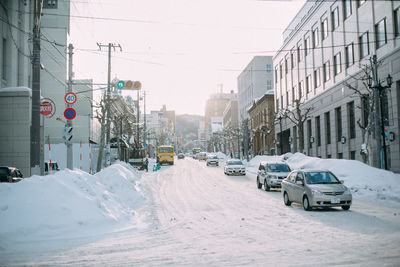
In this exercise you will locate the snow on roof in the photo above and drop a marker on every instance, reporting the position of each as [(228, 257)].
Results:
[(16, 89)]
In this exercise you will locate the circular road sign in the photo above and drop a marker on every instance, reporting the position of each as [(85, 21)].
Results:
[(70, 98), (70, 113), (47, 107)]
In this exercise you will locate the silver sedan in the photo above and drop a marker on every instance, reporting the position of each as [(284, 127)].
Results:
[(315, 188)]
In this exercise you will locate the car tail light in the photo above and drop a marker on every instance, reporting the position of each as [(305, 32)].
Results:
[(9, 179)]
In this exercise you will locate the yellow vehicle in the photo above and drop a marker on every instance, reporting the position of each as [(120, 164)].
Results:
[(165, 154)]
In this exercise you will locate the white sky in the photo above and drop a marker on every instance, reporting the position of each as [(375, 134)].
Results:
[(180, 50)]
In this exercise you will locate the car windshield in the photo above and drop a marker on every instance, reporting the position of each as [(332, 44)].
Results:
[(278, 168), (3, 171), (165, 150), (213, 157), (321, 178), (237, 162)]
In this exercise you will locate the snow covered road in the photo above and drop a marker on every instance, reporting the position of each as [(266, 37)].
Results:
[(197, 216)]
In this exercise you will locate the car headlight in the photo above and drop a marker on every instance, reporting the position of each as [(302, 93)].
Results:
[(347, 192), (317, 193)]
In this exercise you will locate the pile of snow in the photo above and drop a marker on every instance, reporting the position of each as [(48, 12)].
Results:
[(71, 204), (222, 157), (364, 181)]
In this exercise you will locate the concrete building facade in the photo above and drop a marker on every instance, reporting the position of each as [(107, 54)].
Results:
[(255, 80), (325, 49)]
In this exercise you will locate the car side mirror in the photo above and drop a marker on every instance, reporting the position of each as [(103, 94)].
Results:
[(342, 181)]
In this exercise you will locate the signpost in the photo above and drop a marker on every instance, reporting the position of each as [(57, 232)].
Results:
[(70, 113), (70, 98)]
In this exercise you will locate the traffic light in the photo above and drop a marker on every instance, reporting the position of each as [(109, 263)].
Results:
[(386, 131), (67, 136), (127, 85)]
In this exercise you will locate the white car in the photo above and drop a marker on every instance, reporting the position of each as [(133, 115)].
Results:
[(234, 167), (212, 159)]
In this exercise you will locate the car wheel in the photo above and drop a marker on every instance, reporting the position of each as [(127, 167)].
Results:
[(266, 186), (259, 185), (286, 199), (346, 207), (306, 204)]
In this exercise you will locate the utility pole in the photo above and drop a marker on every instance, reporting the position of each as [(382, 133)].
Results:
[(377, 121), (138, 120), (70, 163), (36, 154), (107, 102)]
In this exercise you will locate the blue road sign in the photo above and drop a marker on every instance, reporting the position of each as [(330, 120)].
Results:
[(70, 113)]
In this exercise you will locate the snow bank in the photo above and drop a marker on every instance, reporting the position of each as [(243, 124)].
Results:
[(70, 204), (365, 182)]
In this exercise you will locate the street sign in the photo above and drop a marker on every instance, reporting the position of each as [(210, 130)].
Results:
[(70, 113), (70, 98), (47, 107)]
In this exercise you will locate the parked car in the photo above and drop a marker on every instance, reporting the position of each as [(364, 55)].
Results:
[(10, 175), (234, 167), (315, 188), (212, 159), (202, 156), (271, 175), (52, 169), (181, 156)]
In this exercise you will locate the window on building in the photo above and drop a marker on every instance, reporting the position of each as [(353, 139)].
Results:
[(327, 71), (318, 130), (340, 155), (380, 30), (299, 52), (287, 98), (397, 22), (309, 133), (317, 78), (307, 46), (293, 58), (346, 8), (335, 18), (281, 101), (277, 105), (269, 68), (352, 155), (328, 127), (276, 74), (269, 85), (338, 117), (286, 65), (308, 83), (281, 70), (4, 60), (352, 120), (315, 37), (294, 91), (349, 51), (337, 63), (364, 45), (324, 28), (301, 89)]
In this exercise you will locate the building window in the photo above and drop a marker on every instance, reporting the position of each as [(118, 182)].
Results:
[(364, 45), (340, 155), (346, 8), (4, 60), (337, 63), (276, 74), (324, 29), (277, 105), (293, 58), (299, 53), (269, 68), (281, 101), (335, 18), (317, 78), (328, 128), (269, 85), (397, 22), (286, 65), (380, 30), (308, 83), (352, 120), (349, 51), (301, 89), (309, 133), (307, 45), (287, 98), (318, 130), (315, 36), (327, 71), (338, 113), (352, 155), (281, 70)]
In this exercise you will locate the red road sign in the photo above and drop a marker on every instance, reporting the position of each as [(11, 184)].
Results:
[(70, 98), (70, 113), (47, 107)]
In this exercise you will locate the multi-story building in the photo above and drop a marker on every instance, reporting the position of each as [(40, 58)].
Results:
[(262, 125), (255, 80), (230, 115), (325, 49)]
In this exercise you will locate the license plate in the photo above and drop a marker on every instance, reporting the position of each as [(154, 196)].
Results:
[(335, 200)]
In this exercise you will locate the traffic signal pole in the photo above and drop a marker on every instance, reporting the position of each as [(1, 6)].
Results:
[(70, 163)]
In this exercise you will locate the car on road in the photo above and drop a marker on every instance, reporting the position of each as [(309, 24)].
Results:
[(202, 156), (315, 188), (271, 174), (235, 167), (10, 175), (212, 159), (181, 156)]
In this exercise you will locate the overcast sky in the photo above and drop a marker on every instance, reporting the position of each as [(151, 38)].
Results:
[(180, 50)]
